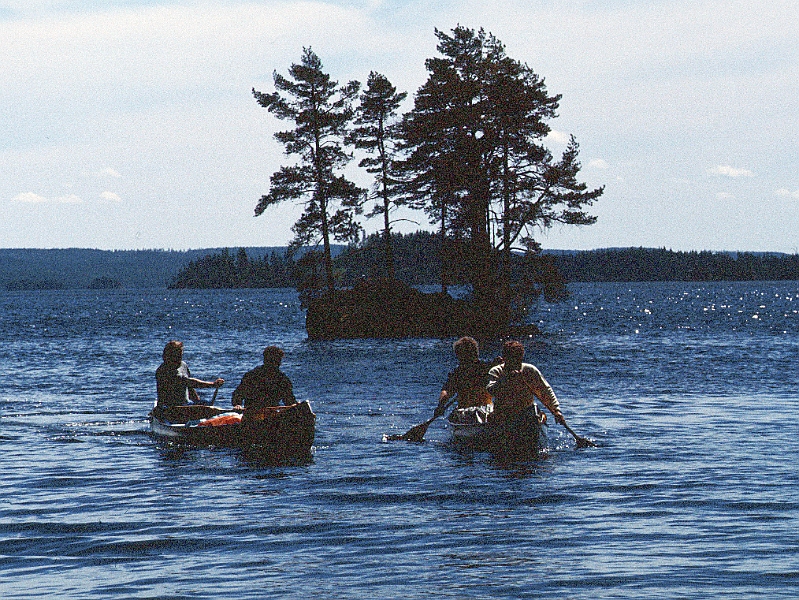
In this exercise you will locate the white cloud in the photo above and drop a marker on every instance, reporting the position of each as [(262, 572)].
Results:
[(30, 198), (724, 196), (110, 196), (786, 193), (598, 163), (558, 137), (109, 172), (728, 171)]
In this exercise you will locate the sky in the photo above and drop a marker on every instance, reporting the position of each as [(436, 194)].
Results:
[(131, 124)]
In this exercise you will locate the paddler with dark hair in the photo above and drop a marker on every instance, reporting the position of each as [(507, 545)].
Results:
[(174, 383), (468, 380), (466, 384), (515, 386), (266, 385)]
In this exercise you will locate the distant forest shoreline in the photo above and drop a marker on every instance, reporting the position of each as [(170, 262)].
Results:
[(79, 268), (417, 259)]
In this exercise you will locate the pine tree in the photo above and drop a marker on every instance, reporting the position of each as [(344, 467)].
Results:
[(322, 113), (475, 139), (377, 134)]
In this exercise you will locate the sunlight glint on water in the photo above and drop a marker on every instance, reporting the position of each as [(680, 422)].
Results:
[(690, 390)]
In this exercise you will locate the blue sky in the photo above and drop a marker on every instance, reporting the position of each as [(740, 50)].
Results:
[(131, 124)]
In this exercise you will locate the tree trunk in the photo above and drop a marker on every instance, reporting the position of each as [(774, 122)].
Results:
[(327, 255), (386, 220)]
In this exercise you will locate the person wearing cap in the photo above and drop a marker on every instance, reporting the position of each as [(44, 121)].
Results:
[(265, 385), (174, 383)]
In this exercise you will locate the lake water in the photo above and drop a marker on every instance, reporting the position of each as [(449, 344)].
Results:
[(690, 390)]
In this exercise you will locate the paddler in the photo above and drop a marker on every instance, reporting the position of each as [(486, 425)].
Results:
[(515, 386), (468, 380), (174, 383), (266, 385)]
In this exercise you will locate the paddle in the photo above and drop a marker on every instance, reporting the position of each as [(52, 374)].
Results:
[(580, 440), (416, 433)]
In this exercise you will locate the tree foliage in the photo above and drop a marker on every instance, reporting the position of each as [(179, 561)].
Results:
[(222, 270), (322, 113), (377, 133), (477, 161)]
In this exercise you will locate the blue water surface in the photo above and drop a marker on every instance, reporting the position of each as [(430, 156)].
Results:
[(690, 391)]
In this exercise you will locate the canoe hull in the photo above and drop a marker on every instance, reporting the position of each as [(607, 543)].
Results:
[(525, 436), (282, 430)]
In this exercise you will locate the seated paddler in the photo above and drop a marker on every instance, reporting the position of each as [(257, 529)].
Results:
[(515, 386), (174, 382), (266, 385), (467, 382)]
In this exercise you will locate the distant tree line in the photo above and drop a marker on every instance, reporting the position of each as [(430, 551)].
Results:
[(223, 270), (418, 262), (82, 268), (417, 258), (650, 264)]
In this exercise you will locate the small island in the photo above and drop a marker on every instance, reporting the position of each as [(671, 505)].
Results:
[(470, 155), (388, 308)]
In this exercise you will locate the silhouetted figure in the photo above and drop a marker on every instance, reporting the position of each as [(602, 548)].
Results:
[(265, 385), (468, 380), (174, 383)]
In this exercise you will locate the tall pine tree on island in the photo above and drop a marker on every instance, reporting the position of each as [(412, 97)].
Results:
[(322, 113), (476, 158), (377, 133)]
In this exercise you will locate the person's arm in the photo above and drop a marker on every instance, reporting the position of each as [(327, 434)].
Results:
[(497, 381), (247, 389), (193, 382), (443, 402), (288, 394), (199, 383), (543, 391), (238, 398), (448, 392)]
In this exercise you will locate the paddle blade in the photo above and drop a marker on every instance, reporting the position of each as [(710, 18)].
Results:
[(414, 434), (580, 440)]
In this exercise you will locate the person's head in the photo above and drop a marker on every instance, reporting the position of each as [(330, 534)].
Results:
[(513, 353), (173, 352), (466, 349), (273, 356)]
